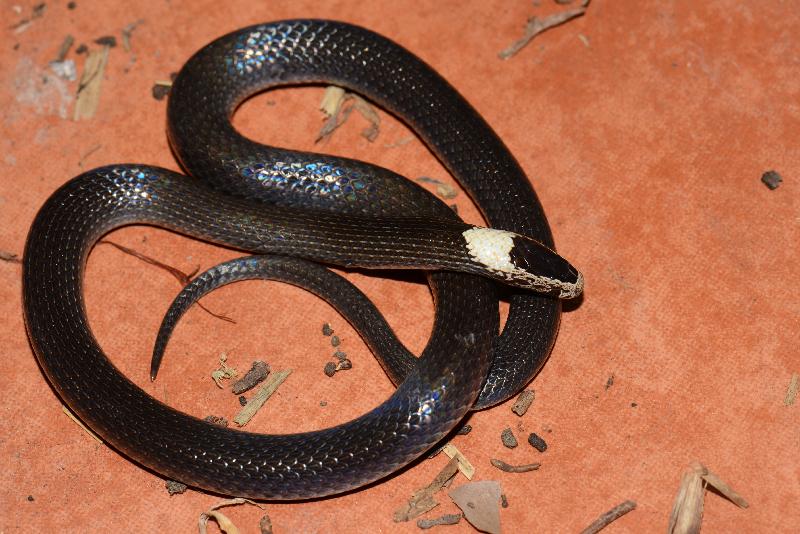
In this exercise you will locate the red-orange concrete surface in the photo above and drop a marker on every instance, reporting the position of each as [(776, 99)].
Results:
[(645, 128)]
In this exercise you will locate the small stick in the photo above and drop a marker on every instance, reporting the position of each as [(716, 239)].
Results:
[(791, 392), (508, 468), (609, 517), (258, 400), (536, 26), (80, 424)]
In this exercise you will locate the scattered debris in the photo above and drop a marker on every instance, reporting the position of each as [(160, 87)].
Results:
[(182, 277), (503, 501), (225, 524), (447, 519), (22, 25), (9, 257), (335, 341), (265, 525), (323, 403), (257, 373), (422, 500), (339, 355), (791, 392), (66, 44), (329, 369), (610, 381), (223, 372), (64, 69), (609, 517), (175, 488), (338, 104), (71, 5), (82, 49), (508, 468), (523, 402), (261, 396), (242, 400), (215, 420), (161, 89), (687, 512), (464, 430), (584, 39), (480, 503), (30, 498), (444, 190), (464, 465), (126, 34), (326, 329), (771, 179), (80, 423), (634, 404), (106, 40), (536, 26), (88, 95), (537, 442), (508, 438)]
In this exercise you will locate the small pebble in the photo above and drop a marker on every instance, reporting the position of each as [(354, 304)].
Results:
[(335, 341), (257, 373), (242, 400), (30, 498), (323, 403), (330, 369), (771, 179), (523, 402), (508, 439), (71, 5), (107, 40), (464, 430), (344, 365), (160, 91), (174, 487), (537, 442), (326, 329), (339, 355), (503, 500)]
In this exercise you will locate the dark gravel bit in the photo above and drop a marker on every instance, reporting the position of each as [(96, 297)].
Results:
[(335, 341), (265, 525), (771, 179), (243, 400), (107, 40), (82, 49), (344, 365), (447, 519), (537, 442), (508, 439), (71, 5), (326, 329), (174, 487), (523, 402), (214, 420), (503, 500), (339, 355), (30, 498), (257, 373), (464, 430), (323, 403), (330, 369), (160, 91)]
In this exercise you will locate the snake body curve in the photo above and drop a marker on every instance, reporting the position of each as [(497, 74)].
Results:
[(223, 203)]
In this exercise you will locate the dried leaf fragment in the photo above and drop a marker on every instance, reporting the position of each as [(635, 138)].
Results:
[(223, 372), (791, 392), (609, 517), (88, 96), (536, 26), (687, 511), (422, 500), (464, 465), (480, 502), (225, 524), (335, 105)]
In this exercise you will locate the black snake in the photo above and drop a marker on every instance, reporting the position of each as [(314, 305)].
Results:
[(321, 208)]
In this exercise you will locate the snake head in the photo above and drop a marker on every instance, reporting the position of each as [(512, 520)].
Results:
[(522, 262)]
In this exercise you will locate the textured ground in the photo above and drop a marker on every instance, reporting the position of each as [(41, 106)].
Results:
[(645, 128)]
